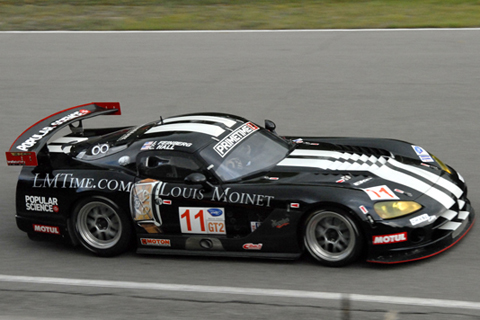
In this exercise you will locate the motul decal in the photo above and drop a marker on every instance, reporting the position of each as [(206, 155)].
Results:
[(390, 238), (46, 229)]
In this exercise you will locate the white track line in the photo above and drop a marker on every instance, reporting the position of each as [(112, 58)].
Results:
[(300, 294)]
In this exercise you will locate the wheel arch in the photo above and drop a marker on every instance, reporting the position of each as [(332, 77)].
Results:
[(83, 198), (336, 207)]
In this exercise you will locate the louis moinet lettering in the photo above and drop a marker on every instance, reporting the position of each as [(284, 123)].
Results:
[(220, 195), (68, 181)]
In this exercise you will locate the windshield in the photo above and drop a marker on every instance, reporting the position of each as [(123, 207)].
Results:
[(255, 154)]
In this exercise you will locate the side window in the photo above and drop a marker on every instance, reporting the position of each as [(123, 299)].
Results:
[(166, 166)]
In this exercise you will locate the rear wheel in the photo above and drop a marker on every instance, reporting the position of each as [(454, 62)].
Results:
[(332, 237), (102, 227)]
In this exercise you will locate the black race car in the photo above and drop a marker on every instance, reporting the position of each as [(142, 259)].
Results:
[(215, 184)]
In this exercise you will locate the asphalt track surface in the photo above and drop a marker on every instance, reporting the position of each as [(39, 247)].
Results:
[(420, 86)]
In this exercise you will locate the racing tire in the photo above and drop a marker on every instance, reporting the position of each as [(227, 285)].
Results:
[(332, 237), (101, 227)]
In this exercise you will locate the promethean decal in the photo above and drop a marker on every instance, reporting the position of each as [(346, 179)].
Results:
[(230, 141)]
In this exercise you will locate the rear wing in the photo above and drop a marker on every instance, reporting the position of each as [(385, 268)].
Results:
[(23, 151)]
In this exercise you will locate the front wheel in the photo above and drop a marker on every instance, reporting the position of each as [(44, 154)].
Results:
[(101, 227), (332, 237)]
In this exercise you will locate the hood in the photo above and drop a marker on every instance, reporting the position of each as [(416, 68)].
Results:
[(362, 171)]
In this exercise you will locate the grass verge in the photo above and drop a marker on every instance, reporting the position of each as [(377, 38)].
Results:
[(235, 15)]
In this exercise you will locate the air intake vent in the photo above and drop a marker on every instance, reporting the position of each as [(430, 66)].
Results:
[(363, 150)]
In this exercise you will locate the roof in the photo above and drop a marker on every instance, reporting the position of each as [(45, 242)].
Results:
[(191, 132)]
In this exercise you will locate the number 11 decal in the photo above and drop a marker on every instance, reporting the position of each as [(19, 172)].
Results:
[(202, 220), (381, 193)]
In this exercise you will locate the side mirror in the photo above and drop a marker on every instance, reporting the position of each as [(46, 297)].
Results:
[(198, 178), (195, 178), (270, 125)]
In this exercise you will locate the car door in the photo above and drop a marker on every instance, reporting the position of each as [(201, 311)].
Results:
[(164, 201)]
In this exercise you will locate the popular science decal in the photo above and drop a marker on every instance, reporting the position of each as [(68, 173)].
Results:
[(32, 141)]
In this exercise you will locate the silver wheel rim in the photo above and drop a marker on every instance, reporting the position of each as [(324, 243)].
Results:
[(99, 225), (329, 236)]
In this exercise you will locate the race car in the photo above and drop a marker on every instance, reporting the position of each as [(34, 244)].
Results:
[(215, 184)]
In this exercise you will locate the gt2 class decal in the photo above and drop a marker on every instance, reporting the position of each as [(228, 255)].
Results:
[(68, 181), (233, 139), (422, 154), (202, 220), (164, 145), (32, 141), (390, 238), (380, 193), (42, 204)]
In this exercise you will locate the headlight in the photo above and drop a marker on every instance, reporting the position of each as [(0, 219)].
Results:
[(441, 164), (395, 209)]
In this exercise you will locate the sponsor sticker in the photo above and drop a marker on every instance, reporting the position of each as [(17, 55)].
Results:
[(233, 139), (363, 209), (280, 223), (21, 159), (423, 154), (295, 205), (69, 181), (41, 204), (422, 218), (254, 225), (202, 220), (46, 229), (164, 145), (156, 242), (142, 201), (389, 238), (362, 181), (253, 246), (343, 179), (32, 141), (381, 193)]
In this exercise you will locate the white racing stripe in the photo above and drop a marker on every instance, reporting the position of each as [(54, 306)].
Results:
[(450, 225), (381, 171), (297, 294), (414, 183), (69, 139), (189, 127), (444, 183), (228, 122)]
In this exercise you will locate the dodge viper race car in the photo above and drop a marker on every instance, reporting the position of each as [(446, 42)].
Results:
[(215, 184)]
